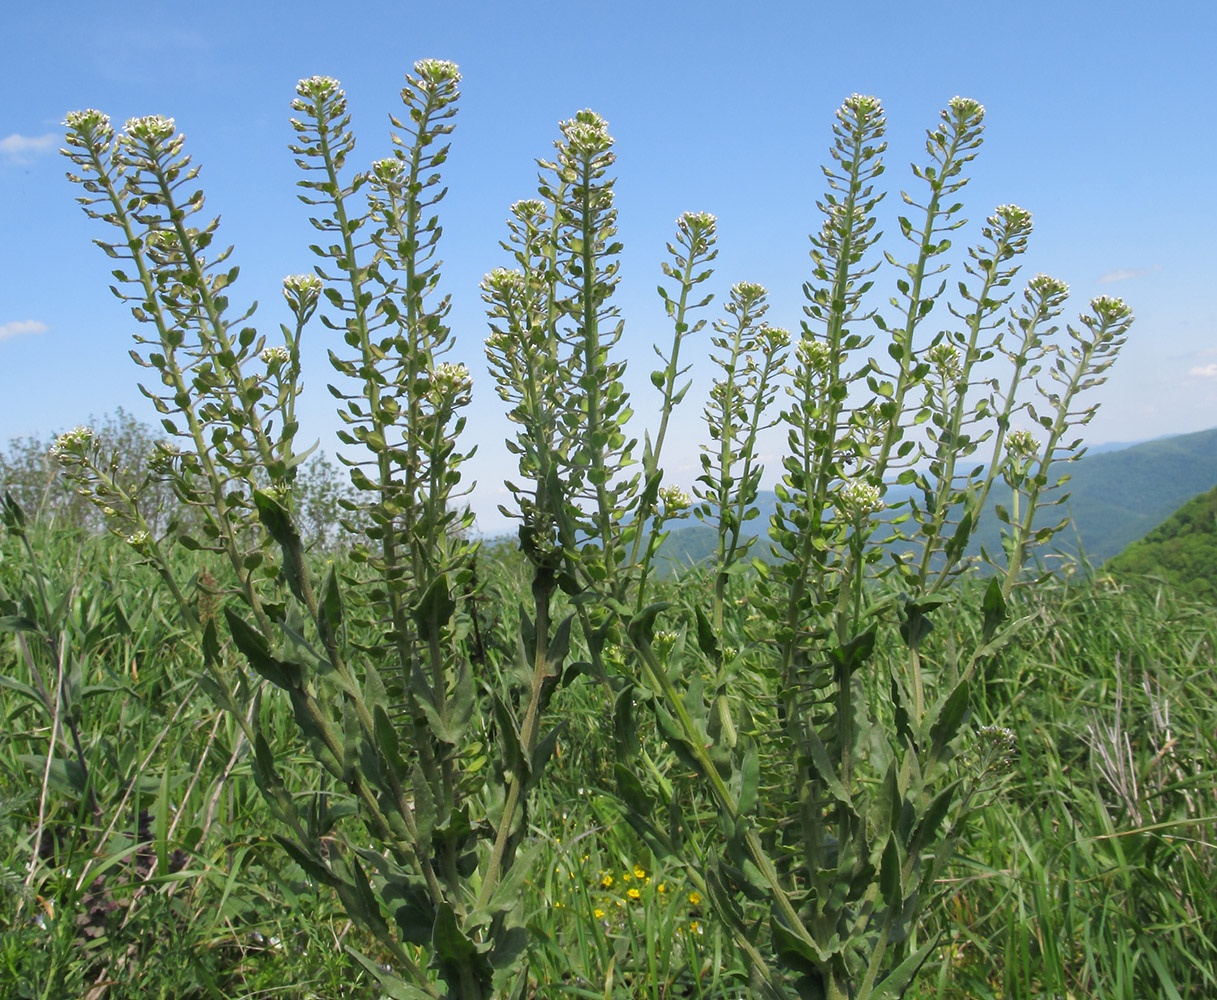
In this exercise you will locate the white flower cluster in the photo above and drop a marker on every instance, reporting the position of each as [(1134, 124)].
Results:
[(748, 292), (945, 359), (449, 382), (863, 104), (775, 337), (149, 128), (1022, 444), (1012, 218), (71, 442), (138, 540), (861, 497), (675, 500), (89, 120), (664, 641), (387, 170), (1048, 286), (275, 356), (701, 224), (966, 107), (502, 281), (317, 86), (587, 132), (437, 71), (317, 90), (812, 354), (998, 744), (1111, 309), (302, 284), (528, 209), (301, 292)]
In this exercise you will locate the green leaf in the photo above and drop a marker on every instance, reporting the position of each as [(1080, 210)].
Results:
[(625, 726), (793, 951), (331, 607), (750, 780), (390, 983), (253, 647), (893, 985), (950, 717), (927, 829), (891, 883), (65, 776), (707, 641), (454, 951), (19, 623), (435, 608), (540, 756), (642, 626), (278, 522), (994, 608)]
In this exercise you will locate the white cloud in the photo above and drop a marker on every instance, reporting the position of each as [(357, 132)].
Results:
[(1204, 371), (23, 148), (1124, 273), (18, 327)]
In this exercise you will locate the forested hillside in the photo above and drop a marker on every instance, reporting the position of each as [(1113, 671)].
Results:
[(1182, 550), (1115, 498)]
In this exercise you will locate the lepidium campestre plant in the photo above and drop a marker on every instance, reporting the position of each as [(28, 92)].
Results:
[(410, 826), (839, 797)]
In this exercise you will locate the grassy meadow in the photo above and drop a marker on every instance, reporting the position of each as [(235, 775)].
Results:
[(140, 860)]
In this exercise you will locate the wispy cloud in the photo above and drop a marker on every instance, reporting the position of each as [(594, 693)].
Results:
[(1124, 273), (23, 148), (21, 326), (1204, 371)]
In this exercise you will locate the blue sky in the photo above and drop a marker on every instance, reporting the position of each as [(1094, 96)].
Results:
[(1099, 121)]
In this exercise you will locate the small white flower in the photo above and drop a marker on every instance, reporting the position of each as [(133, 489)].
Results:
[(138, 540), (449, 382), (812, 354), (966, 107), (863, 104), (1012, 217), (675, 500), (275, 356), (587, 132), (149, 128), (71, 441), (1048, 286), (503, 280), (862, 497), (88, 120), (318, 86), (1111, 309), (702, 224), (1022, 444), (437, 70), (775, 337), (945, 359)]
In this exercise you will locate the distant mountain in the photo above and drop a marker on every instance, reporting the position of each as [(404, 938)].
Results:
[(1181, 550), (1117, 495), (1120, 496)]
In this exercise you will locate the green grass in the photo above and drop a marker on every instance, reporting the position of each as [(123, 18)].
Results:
[(1090, 874)]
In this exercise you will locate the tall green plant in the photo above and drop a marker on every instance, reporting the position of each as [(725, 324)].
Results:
[(823, 874), (838, 797), (376, 667)]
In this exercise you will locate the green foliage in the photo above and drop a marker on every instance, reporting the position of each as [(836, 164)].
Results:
[(801, 763), (1182, 550)]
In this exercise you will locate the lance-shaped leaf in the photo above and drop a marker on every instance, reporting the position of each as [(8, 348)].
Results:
[(253, 647)]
